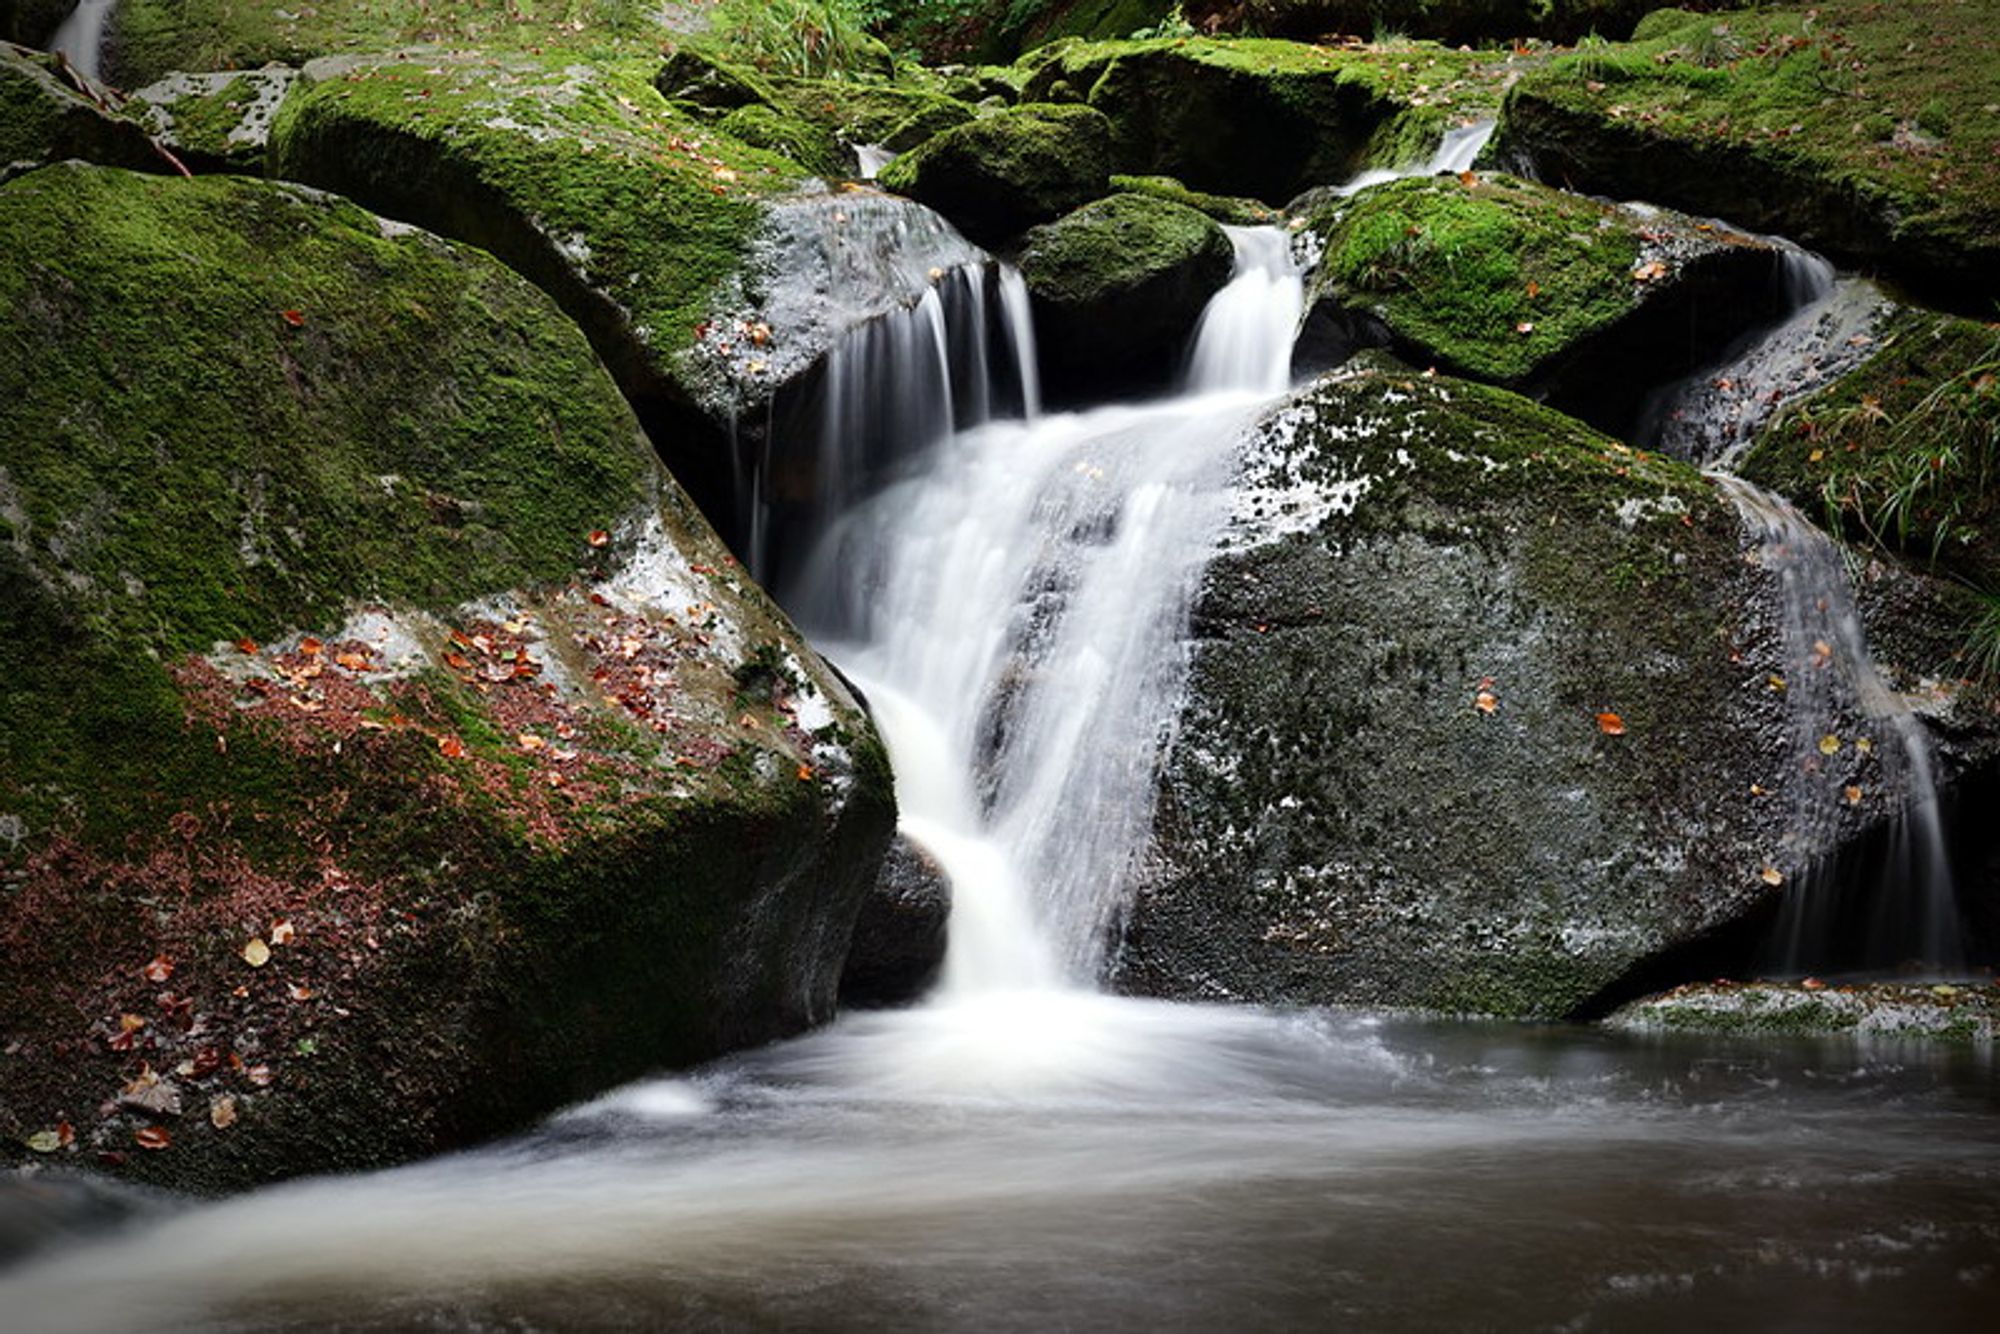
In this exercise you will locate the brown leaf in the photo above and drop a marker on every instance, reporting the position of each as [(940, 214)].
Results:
[(153, 1137), (598, 538), (260, 1075), (247, 647), (451, 747), (222, 1111), (159, 970), (1649, 272), (311, 647), (1771, 875), (1486, 702), (300, 992), (353, 662), (1610, 724), (282, 932)]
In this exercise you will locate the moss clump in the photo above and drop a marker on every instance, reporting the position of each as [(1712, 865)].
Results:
[(1952, 1014), (899, 118), (1774, 119), (1116, 286), (1492, 277), (1904, 452), (1223, 208), (997, 176), (812, 146)]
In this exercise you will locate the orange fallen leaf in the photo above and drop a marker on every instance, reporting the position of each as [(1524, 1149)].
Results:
[(1771, 875), (598, 537), (310, 647), (353, 662), (282, 932), (1610, 724), (247, 647), (153, 1137), (1647, 273), (1486, 702), (1812, 984), (295, 318), (300, 992), (805, 773), (451, 747), (131, 1023), (159, 970), (529, 741)]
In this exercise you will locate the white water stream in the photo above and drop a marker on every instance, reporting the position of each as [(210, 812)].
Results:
[(81, 36)]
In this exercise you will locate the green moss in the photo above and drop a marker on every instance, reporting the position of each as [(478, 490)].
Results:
[(998, 175), (898, 117), (1223, 208), (628, 210), (1904, 452), (44, 119), (1493, 277), (1116, 244), (151, 37), (810, 146), (1775, 119)]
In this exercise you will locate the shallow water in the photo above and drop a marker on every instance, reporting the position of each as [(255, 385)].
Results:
[(1063, 1160)]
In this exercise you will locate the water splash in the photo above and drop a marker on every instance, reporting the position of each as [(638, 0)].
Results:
[(871, 158)]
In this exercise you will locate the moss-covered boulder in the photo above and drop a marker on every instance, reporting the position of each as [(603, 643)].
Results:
[(1863, 130), (1265, 119), (693, 75), (1000, 175), (45, 117), (1905, 449), (1456, 22), (1232, 209), (1880, 1011), (1116, 286), (1476, 719), (897, 117), (1585, 303), (219, 121), (392, 752)]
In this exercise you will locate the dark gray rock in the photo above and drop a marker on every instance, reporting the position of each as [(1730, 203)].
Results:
[(899, 939)]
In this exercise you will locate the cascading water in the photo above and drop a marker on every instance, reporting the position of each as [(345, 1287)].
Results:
[(1830, 675), (1711, 419), (81, 36), (1015, 612)]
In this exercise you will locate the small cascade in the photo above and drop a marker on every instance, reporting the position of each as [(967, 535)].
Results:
[(871, 158), (1456, 152), (1016, 612), (1713, 416), (1907, 910), (80, 39)]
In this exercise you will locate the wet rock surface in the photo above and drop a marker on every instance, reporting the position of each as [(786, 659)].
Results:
[(899, 939), (1002, 174)]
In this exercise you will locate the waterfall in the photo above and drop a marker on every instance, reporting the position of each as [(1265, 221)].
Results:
[(1829, 675), (871, 158), (1016, 612), (81, 36)]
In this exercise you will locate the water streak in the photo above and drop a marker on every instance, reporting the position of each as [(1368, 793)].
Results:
[(81, 36)]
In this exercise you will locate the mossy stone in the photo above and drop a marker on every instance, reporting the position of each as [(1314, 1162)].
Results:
[(1237, 211), (696, 76), (997, 176), (43, 118), (1472, 714), (331, 562), (1771, 119), (1116, 286), (812, 146), (1525, 286)]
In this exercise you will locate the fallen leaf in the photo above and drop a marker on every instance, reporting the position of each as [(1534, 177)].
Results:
[(1812, 984), (1468, 178), (153, 1137), (353, 662), (1610, 724), (1647, 273), (300, 992), (1771, 875), (598, 537), (451, 747), (222, 1111), (295, 318), (256, 953), (310, 647), (247, 647), (282, 932), (1525, 327), (529, 741), (260, 1075), (1534, 289), (1486, 702), (131, 1023), (159, 970), (44, 1141), (805, 773), (1829, 744), (1853, 794)]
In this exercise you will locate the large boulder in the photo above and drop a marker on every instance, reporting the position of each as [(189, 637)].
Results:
[(1584, 303), (393, 753), (1000, 175), (217, 121), (1115, 287), (1479, 718), (1862, 130), (1265, 119)]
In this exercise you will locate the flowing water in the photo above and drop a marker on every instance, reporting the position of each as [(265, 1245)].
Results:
[(81, 36), (1024, 1153)]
